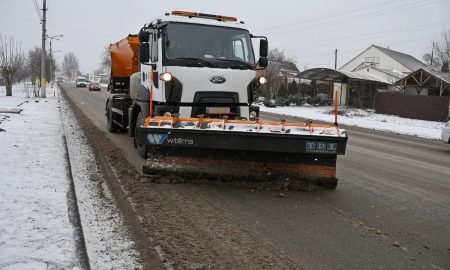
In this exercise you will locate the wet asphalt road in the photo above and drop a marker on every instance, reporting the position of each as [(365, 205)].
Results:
[(391, 209)]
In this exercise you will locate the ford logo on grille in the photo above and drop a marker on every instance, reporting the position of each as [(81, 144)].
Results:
[(217, 79)]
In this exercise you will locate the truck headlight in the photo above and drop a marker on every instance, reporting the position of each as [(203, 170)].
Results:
[(166, 77), (253, 115), (262, 80)]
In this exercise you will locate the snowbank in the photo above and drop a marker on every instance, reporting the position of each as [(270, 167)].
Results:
[(35, 231), (108, 243), (364, 119), (37, 227)]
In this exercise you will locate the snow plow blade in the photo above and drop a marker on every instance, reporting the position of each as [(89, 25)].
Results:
[(295, 156)]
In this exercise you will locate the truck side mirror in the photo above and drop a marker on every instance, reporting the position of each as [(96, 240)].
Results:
[(144, 36), (263, 62), (263, 48), (144, 52)]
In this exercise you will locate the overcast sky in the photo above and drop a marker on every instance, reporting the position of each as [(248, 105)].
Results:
[(308, 31)]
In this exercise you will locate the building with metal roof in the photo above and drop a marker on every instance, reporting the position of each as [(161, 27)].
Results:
[(374, 69), (327, 74), (384, 63), (425, 95), (354, 89), (426, 81), (406, 60)]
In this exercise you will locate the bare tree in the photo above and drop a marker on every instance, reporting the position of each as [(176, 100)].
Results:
[(427, 58), (34, 67), (106, 59), (445, 67), (22, 73), (70, 65), (11, 61), (277, 59), (440, 51), (34, 63)]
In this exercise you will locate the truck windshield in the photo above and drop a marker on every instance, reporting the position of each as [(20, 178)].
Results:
[(208, 44)]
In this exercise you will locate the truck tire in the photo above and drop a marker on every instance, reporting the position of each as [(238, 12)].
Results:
[(112, 128), (141, 149)]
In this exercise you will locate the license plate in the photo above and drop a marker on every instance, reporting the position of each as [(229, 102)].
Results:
[(218, 110)]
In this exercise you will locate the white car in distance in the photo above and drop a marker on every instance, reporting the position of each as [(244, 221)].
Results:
[(81, 82)]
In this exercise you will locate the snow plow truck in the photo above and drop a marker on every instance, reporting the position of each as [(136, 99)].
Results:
[(184, 88)]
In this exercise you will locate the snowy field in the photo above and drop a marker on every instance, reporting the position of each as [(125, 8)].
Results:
[(37, 227), (364, 119), (35, 231)]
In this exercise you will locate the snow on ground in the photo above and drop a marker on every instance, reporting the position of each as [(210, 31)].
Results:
[(37, 228), (364, 119), (107, 241)]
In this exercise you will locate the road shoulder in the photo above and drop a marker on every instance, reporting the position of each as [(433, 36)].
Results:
[(109, 242)]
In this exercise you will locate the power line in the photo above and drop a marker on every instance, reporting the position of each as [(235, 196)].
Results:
[(361, 17), (366, 15), (346, 52), (379, 13), (328, 16), (19, 18), (37, 9), (368, 35), (84, 31), (60, 26)]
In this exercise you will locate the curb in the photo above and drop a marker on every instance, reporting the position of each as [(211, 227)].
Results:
[(72, 205)]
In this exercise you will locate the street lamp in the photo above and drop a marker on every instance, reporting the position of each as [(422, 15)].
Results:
[(51, 67), (55, 37)]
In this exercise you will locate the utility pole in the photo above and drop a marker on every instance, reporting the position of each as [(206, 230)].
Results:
[(51, 60), (43, 77), (335, 59), (432, 55), (51, 56)]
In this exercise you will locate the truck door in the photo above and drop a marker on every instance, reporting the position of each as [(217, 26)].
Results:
[(151, 69)]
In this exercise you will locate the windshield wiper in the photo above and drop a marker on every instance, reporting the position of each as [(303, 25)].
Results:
[(200, 62), (240, 62)]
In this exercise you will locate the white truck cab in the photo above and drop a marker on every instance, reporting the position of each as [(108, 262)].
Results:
[(199, 65)]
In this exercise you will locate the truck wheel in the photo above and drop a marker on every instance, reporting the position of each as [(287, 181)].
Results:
[(111, 126), (141, 149)]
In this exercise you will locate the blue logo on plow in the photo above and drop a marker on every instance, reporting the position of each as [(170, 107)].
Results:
[(310, 146), (321, 147), (156, 138)]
